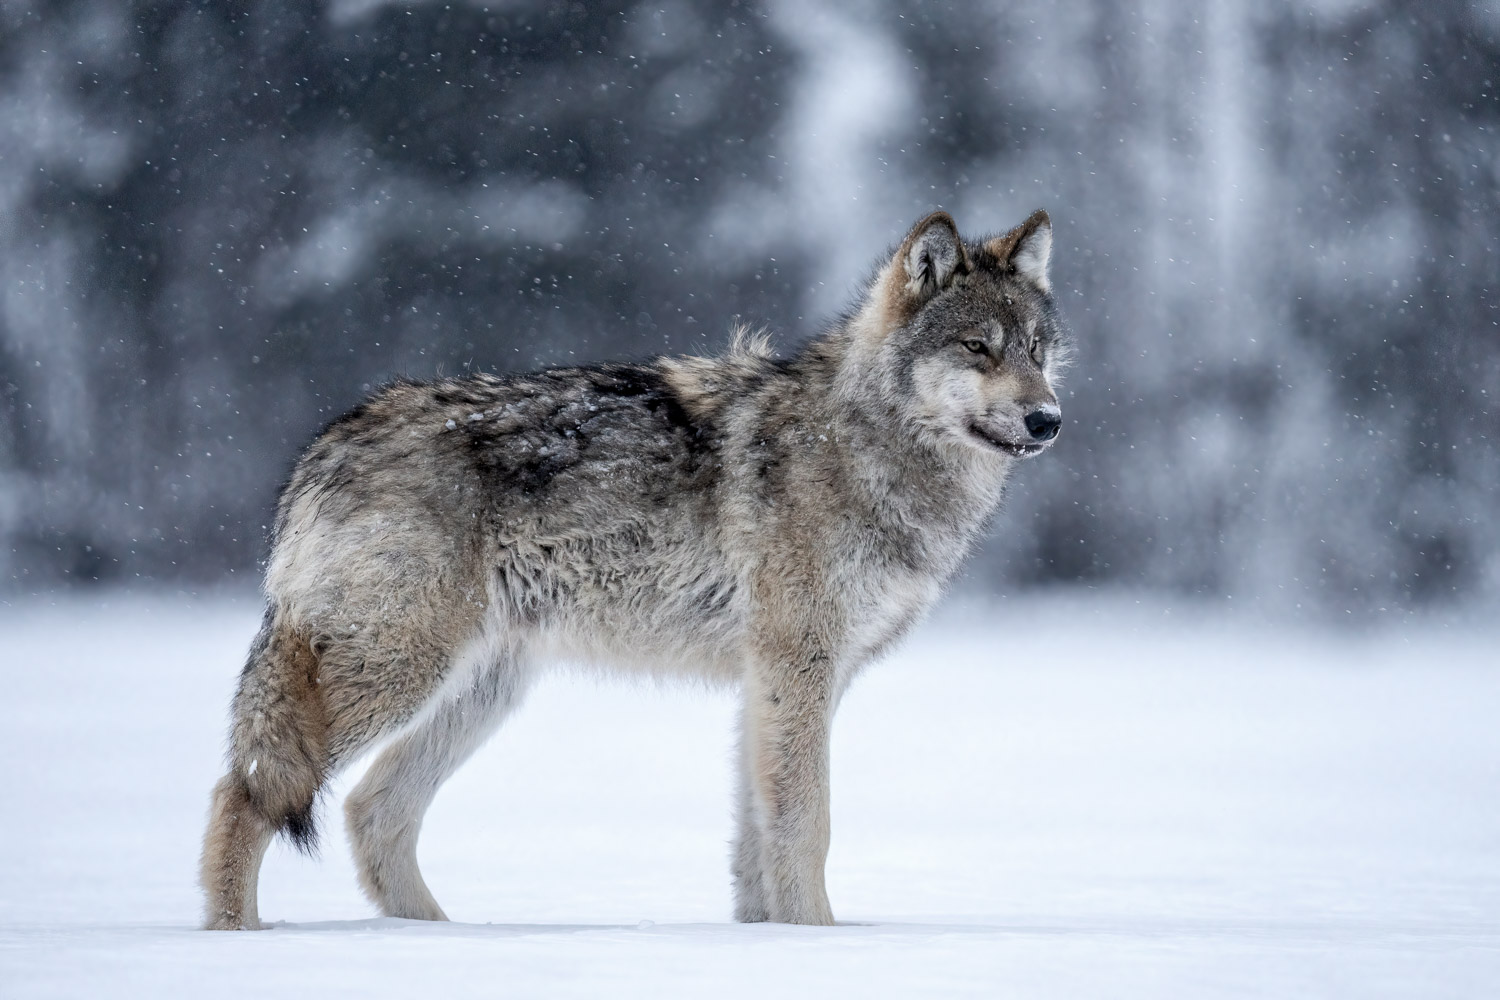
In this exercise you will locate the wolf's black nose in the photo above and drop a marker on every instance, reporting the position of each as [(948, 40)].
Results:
[(1044, 423)]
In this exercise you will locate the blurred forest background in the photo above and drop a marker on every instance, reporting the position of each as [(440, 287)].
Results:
[(1278, 243)]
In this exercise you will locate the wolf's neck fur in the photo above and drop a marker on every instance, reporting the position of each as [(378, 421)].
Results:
[(902, 477), (838, 411)]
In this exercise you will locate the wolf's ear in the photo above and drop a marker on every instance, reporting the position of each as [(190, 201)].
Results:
[(1027, 248), (929, 258)]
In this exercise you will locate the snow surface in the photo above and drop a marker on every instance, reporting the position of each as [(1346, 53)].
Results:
[(1032, 799)]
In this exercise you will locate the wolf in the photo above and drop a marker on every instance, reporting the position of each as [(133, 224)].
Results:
[(770, 523)]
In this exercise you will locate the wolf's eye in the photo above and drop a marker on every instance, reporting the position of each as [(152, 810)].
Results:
[(975, 346), (1035, 350)]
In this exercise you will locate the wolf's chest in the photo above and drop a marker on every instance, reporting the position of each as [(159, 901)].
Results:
[(881, 607)]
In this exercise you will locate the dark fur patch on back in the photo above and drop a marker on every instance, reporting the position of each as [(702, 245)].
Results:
[(648, 385), (553, 422)]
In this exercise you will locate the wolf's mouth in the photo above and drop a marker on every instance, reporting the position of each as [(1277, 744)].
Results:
[(1018, 450)]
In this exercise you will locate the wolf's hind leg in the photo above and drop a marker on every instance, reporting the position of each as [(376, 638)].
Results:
[(237, 838), (384, 812), (277, 762)]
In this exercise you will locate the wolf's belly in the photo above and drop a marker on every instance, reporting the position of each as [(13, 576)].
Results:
[(660, 605)]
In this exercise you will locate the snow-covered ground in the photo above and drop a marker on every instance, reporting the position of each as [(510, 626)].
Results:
[(1038, 799)]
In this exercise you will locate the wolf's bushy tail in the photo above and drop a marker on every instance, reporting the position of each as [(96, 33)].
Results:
[(278, 742)]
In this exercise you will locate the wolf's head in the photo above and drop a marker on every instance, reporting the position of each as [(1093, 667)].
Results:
[(962, 339)]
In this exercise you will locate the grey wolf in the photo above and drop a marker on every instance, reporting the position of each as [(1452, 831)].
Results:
[(770, 523)]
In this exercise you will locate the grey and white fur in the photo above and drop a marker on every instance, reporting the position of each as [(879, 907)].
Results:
[(773, 524)]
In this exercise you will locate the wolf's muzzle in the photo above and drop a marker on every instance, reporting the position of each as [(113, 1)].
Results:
[(1044, 422)]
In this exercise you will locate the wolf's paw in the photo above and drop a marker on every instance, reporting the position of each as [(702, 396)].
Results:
[(814, 913), (751, 912)]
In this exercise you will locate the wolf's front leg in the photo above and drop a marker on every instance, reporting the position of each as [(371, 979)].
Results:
[(748, 865), (788, 710)]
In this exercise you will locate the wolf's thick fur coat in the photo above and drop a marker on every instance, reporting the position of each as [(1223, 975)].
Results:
[(770, 523)]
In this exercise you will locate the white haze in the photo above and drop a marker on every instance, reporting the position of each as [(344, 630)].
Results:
[(1031, 799)]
